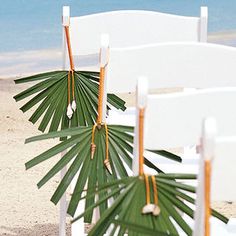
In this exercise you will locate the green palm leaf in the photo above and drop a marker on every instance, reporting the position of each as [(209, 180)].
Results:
[(125, 212), (91, 171), (78, 146), (50, 94), (92, 175), (167, 154)]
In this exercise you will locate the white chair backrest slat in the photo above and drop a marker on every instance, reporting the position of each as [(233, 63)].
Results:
[(223, 169), (174, 120), (131, 28), (184, 64)]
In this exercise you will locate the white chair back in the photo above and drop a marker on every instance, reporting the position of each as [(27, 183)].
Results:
[(130, 28), (183, 64), (134, 27), (174, 120)]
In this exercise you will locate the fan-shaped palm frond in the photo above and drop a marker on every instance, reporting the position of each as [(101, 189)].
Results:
[(51, 93), (92, 172), (126, 210)]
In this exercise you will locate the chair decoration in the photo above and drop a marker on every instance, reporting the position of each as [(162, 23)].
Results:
[(80, 108)]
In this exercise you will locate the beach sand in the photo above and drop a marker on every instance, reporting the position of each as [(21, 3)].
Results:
[(25, 210)]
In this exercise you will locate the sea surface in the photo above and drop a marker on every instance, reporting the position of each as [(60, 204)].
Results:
[(27, 25)]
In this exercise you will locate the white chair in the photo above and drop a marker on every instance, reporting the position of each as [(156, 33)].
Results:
[(168, 65), (131, 28), (220, 151), (171, 121), (183, 64), (122, 26)]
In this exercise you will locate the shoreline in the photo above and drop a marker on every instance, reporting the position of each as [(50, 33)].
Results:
[(18, 64)]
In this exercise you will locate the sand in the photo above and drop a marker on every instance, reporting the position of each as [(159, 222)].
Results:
[(24, 210)]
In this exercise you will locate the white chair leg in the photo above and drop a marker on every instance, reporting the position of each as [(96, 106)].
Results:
[(77, 228), (62, 225), (63, 203), (96, 213), (63, 208)]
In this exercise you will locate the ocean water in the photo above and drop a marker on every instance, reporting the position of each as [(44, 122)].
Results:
[(36, 24)]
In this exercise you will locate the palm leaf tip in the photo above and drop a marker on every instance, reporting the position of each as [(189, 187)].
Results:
[(28, 165), (167, 154)]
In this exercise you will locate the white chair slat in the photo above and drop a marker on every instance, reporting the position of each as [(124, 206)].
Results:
[(223, 170), (185, 64), (174, 120), (130, 28)]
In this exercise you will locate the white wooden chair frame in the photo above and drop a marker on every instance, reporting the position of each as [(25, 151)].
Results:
[(210, 66), (85, 34), (221, 151), (182, 64), (125, 31), (187, 130)]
